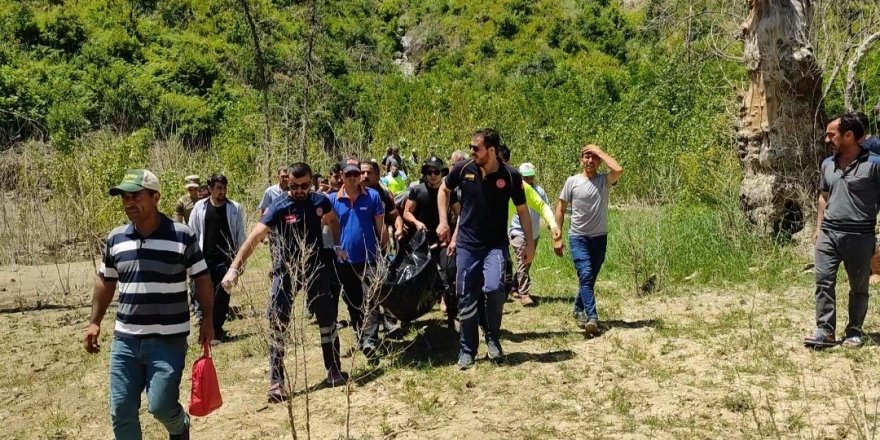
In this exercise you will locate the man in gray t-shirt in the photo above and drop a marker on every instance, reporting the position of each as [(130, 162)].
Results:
[(587, 193), (849, 193)]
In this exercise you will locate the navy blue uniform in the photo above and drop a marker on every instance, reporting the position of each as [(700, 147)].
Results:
[(297, 228), (481, 246)]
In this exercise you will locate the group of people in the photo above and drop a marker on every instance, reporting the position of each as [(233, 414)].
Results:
[(327, 236)]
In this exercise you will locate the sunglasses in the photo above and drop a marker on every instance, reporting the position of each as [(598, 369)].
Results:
[(474, 148), (353, 174), (432, 173), (301, 186)]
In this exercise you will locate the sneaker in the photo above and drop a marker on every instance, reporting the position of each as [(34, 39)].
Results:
[(276, 394), (819, 339), (336, 377), (465, 361), (493, 349), (853, 342), (581, 317), (526, 300), (592, 327)]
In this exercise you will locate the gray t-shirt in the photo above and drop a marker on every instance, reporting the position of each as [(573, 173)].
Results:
[(853, 194), (588, 199), (269, 195)]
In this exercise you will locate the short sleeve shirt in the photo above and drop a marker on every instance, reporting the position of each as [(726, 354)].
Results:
[(269, 195), (484, 199), (853, 194), (426, 210), (151, 273), (588, 199), (184, 207), (292, 222), (357, 222)]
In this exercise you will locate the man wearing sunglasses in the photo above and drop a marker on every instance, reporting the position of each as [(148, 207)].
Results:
[(487, 186), (421, 212), (295, 220)]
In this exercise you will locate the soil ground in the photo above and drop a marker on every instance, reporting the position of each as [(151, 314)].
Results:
[(685, 362)]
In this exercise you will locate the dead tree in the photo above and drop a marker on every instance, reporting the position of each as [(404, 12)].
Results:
[(262, 84), (779, 128)]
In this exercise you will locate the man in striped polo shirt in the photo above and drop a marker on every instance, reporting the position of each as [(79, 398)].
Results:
[(149, 259)]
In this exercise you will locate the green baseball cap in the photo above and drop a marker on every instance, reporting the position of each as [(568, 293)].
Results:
[(136, 180)]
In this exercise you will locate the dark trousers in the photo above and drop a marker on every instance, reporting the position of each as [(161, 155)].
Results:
[(218, 270), (447, 271), (356, 280), (320, 299), (480, 295), (855, 252)]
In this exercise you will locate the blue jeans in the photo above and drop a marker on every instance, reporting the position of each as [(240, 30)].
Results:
[(588, 254), (480, 295), (155, 364)]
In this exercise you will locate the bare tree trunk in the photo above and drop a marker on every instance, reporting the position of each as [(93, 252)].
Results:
[(852, 69), (779, 127), (262, 84), (308, 81)]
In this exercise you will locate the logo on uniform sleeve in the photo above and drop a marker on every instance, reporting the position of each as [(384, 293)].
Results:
[(291, 218), (469, 177), (319, 211), (265, 211), (500, 183)]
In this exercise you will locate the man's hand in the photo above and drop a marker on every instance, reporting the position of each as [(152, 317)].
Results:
[(230, 280), (558, 247), (421, 226), (529, 253), (399, 234), (815, 236), (556, 233), (206, 331), (443, 233), (341, 255), (90, 342), (593, 148), (450, 248)]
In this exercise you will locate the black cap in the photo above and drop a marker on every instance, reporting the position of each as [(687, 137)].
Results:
[(434, 162)]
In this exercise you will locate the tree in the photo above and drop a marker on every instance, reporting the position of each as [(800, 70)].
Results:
[(780, 119)]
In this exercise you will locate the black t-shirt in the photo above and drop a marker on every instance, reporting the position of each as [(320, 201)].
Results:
[(484, 199), (426, 210), (217, 243), (390, 206), (293, 220)]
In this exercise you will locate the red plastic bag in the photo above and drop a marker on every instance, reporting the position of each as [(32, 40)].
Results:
[(205, 396)]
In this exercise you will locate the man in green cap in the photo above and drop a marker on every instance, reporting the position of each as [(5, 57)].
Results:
[(186, 202), (149, 259)]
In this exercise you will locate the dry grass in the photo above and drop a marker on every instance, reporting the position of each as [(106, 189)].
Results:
[(685, 363)]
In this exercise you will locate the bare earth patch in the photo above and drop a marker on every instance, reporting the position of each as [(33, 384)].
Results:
[(684, 363)]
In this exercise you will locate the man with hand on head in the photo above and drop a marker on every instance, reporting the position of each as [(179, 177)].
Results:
[(149, 259), (587, 193)]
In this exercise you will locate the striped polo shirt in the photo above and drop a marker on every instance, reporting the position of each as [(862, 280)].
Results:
[(151, 273)]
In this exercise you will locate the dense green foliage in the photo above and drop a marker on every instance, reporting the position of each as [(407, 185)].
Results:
[(90, 88), (549, 75)]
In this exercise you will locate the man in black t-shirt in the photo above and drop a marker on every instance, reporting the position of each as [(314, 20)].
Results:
[(370, 178), (296, 221), (487, 186), (219, 224), (421, 212)]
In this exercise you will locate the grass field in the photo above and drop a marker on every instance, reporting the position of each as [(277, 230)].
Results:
[(688, 361)]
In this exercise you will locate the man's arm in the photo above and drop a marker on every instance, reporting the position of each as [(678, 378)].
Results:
[(822, 202), (558, 245), (442, 205), (101, 297), (525, 220), (409, 214), (205, 294), (379, 223), (260, 232), (610, 162)]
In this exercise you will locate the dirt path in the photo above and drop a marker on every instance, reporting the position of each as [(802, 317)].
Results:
[(708, 363)]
